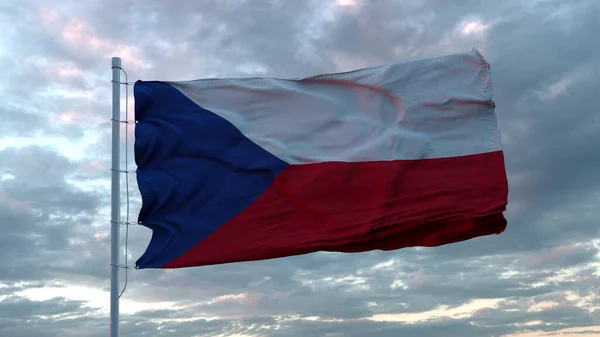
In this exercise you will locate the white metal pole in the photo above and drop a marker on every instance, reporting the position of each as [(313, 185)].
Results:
[(115, 205)]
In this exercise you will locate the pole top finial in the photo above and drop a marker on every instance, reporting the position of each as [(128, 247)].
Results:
[(116, 62)]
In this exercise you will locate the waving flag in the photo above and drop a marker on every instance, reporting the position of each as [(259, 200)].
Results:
[(406, 154)]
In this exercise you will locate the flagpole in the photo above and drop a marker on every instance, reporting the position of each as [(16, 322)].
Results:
[(115, 209)]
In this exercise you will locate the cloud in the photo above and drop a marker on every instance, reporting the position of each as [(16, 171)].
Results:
[(537, 278), (40, 213)]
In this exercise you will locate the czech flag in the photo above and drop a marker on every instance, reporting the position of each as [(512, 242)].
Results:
[(402, 155)]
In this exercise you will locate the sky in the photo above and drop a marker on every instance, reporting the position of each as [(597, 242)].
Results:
[(539, 278)]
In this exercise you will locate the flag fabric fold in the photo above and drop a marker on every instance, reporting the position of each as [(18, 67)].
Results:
[(402, 155)]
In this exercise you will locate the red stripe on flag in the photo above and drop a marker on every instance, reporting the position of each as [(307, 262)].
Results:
[(354, 207)]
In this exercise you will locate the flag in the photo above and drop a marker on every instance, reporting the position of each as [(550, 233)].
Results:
[(243, 169)]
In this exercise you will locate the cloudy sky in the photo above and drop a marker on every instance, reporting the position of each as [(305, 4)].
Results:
[(539, 278)]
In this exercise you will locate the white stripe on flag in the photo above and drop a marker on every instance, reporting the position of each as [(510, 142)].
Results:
[(430, 108)]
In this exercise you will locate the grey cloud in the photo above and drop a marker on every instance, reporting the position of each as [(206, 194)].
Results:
[(19, 122), (39, 212), (447, 327), (55, 317), (549, 140), (35, 165), (20, 307), (555, 317)]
